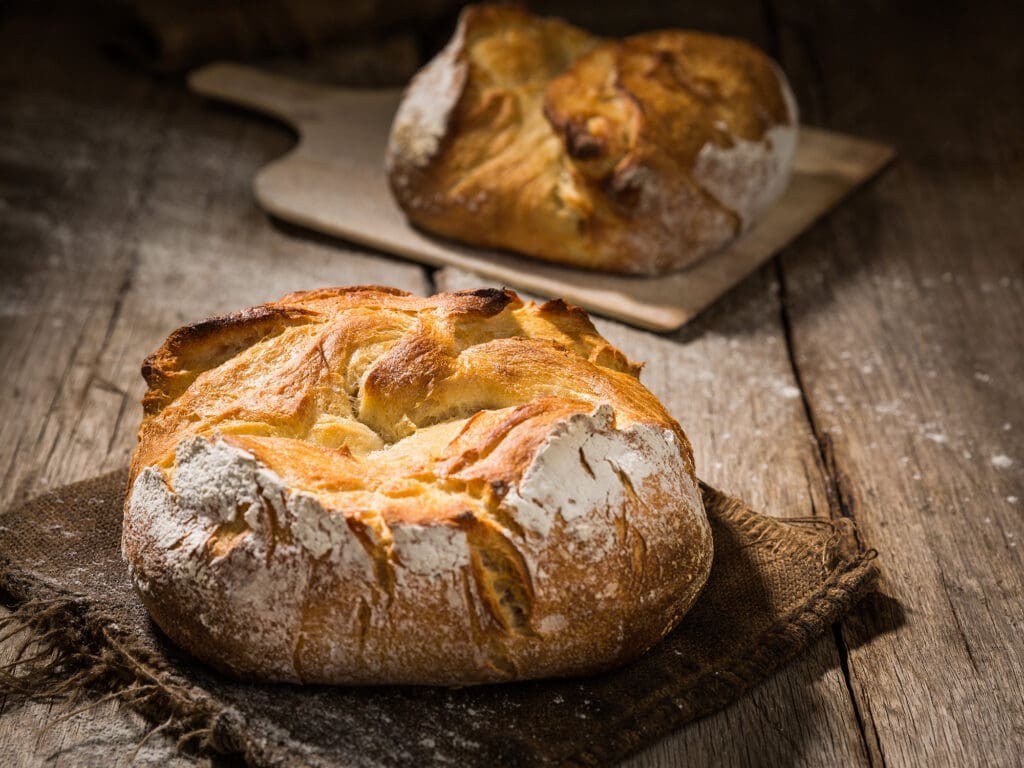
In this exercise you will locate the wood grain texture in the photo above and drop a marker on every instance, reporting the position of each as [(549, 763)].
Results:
[(905, 311), (332, 182)]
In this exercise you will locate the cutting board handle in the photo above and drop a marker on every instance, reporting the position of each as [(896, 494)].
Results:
[(292, 101)]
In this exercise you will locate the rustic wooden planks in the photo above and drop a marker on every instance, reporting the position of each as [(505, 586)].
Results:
[(906, 320), (890, 354)]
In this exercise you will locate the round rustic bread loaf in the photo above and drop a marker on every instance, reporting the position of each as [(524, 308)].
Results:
[(638, 156), (358, 485)]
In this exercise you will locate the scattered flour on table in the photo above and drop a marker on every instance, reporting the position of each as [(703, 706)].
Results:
[(1002, 461), (788, 391), (888, 408)]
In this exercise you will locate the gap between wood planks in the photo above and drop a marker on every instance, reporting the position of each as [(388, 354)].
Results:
[(840, 503)]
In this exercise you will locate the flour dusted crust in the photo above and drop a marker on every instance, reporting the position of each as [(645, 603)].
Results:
[(362, 486), (640, 155)]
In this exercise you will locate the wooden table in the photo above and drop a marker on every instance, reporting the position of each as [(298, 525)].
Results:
[(873, 370)]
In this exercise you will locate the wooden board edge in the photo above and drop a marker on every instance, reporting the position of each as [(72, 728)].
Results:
[(284, 98)]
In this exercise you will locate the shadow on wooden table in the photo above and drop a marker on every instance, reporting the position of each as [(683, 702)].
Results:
[(876, 615)]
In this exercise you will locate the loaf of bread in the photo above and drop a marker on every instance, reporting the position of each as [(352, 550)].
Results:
[(358, 485), (640, 155)]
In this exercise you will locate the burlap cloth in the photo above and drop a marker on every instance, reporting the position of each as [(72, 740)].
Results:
[(774, 587)]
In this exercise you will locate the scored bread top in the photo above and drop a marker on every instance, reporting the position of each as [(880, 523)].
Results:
[(371, 398), (638, 155), (358, 485)]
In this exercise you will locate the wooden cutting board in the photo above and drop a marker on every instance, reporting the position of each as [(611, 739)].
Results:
[(334, 182)]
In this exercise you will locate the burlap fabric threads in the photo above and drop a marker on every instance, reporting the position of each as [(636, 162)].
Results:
[(774, 587)]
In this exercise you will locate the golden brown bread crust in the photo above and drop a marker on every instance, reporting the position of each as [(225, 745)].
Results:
[(358, 485), (639, 156)]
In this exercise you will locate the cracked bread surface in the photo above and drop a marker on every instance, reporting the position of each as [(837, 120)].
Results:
[(360, 486), (640, 155)]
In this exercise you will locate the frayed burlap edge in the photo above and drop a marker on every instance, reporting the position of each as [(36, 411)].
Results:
[(72, 646)]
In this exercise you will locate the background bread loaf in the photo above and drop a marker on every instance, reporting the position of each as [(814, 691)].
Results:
[(639, 156)]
